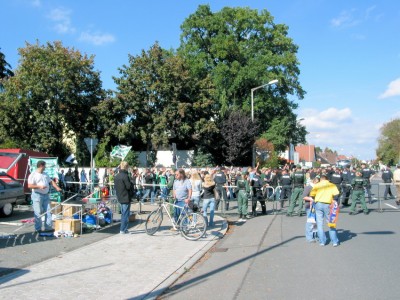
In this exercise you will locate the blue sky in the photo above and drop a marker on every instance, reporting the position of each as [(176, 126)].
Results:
[(349, 52)]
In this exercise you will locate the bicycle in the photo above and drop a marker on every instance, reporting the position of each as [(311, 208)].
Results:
[(191, 225)]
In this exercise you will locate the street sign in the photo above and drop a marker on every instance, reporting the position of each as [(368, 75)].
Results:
[(91, 144)]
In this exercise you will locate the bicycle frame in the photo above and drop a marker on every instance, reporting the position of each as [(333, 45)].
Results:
[(164, 205)]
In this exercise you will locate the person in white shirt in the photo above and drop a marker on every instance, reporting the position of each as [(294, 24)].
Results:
[(40, 182)]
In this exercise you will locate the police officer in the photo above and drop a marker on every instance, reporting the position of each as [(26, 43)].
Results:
[(243, 191), (346, 187), (358, 184), (336, 179), (298, 182), (257, 195), (286, 183), (220, 181), (387, 177), (367, 173)]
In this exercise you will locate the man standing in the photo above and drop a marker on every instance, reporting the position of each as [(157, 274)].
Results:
[(367, 174), (324, 191), (387, 177), (298, 180), (346, 186), (243, 190), (286, 182), (220, 181), (124, 193), (40, 182), (396, 179), (257, 195), (182, 192), (359, 184), (148, 182)]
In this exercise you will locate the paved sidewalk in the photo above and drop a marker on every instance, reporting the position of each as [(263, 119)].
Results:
[(131, 266)]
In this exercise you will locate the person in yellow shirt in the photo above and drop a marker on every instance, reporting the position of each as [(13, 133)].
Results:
[(323, 192)]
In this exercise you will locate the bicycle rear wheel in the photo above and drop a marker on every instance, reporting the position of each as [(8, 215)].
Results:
[(153, 221), (193, 226)]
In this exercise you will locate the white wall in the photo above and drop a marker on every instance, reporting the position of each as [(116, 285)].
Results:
[(164, 158)]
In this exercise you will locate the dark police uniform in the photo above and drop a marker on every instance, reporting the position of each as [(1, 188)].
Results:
[(256, 185), (366, 173), (346, 187), (286, 192), (387, 177), (337, 179)]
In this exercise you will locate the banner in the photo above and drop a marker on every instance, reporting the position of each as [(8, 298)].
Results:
[(51, 165), (120, 151)]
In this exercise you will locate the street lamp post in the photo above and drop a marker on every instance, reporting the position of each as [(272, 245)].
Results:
[(253, 163)]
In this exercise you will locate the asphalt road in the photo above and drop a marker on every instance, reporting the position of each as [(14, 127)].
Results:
[(268, 258)]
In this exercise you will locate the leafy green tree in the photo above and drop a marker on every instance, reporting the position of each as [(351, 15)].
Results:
[(49, 100), (240, 48), (389, 143), (5, 69), (158, 102), (202, 158)]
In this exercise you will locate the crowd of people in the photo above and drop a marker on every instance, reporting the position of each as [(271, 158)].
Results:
[(210, 188)]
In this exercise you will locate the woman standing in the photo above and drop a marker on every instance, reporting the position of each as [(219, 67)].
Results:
[(208, 199), (196, 187)]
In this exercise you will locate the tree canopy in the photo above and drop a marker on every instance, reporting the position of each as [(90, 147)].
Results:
[(195, 96), (49, 99), (389, 143), (240, 49), (158, 102)]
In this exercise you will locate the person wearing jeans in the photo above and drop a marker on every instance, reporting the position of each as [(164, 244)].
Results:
[(40, 182), (125, 192), (208, 199), (182, 192), (323, 192)]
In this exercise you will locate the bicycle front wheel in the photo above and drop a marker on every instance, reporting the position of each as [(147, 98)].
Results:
[(193, 226), (153, 221)]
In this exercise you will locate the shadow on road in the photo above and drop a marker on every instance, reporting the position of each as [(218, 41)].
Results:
[(18, 274), (345, 235)]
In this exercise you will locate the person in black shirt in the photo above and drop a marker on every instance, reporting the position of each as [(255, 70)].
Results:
[(257, 195), (367, 173), (387, 177)]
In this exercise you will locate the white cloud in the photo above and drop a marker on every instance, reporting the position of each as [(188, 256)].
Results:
[(339, 130), (96, 38), (345, 19), (354, 17), (392, 90), (61, 18)]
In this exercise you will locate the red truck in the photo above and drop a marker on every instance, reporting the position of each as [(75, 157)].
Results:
[(14, 165)]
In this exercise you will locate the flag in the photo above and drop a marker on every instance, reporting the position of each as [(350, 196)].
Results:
[(71, 159), (120, 151)]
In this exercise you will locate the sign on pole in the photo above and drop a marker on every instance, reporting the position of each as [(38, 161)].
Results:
[(91, 144)]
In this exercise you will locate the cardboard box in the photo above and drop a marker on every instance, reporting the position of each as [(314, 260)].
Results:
[(132, 218), (68, 225), (57, 208), (69, 210)]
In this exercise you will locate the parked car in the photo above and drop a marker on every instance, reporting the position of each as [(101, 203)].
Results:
[(11, 194)]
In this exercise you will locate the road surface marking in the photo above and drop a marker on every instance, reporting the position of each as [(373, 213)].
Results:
[(391, 206)]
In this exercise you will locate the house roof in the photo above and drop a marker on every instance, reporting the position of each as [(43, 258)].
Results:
[(306, 152)]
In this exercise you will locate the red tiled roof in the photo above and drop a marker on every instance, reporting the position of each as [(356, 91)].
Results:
[(306, 152)]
